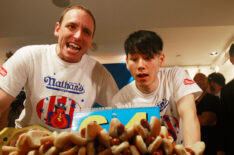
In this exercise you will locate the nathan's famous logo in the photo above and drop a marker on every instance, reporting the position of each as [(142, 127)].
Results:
[(163, 104), (70, 87), (56, 111)]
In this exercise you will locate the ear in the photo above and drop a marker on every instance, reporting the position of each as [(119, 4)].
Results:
[(161, 59), (91, 44), (232, 60), (127, 62), (57, 28)]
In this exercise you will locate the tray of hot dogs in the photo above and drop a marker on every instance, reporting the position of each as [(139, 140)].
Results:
[(105, 132)]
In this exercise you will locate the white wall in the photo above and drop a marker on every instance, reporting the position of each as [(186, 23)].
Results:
[(192, 70), (224, 67)]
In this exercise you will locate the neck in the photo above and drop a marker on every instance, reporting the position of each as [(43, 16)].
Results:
[(147, 89)]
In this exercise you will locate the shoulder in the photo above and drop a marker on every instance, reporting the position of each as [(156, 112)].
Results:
[(126, 90), (172, 74), (35, 49), (123, 96), (89, 61), (96, 69), (171, 70)]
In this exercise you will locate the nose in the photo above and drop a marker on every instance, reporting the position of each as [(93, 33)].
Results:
[(141, 64), (77, 34)]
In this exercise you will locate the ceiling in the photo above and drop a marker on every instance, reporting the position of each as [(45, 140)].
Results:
[(190, 29)]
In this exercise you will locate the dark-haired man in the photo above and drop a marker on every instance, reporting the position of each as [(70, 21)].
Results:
[(216, 82), (171, 88)]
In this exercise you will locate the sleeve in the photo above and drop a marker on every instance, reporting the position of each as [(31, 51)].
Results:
[(108, 88), (183, 84), (15, 72)]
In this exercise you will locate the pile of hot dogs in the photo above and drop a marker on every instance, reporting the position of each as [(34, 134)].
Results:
[(142, 138)]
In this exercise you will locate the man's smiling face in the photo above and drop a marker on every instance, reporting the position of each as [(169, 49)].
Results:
[(75, 35)]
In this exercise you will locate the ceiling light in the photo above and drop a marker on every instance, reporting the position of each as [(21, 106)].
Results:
[(214, 53)]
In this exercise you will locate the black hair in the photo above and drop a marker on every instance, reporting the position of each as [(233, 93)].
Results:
[(217, 78), (144, 42)]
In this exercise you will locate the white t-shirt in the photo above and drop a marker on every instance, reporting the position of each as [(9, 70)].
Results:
[(174, 83), (55, 88)]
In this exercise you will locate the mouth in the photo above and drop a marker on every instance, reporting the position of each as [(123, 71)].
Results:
[(73, 46), (142, 76)]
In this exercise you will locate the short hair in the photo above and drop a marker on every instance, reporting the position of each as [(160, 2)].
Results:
[(79, 7), (144, 42), (231, 51), (217, 78)]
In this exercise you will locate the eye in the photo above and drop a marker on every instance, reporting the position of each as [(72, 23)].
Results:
[(133, 59), (71, 26), (148, 58), (87, 31)]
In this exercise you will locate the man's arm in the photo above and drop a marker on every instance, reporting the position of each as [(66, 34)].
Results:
[(5, 101), (191, 127)]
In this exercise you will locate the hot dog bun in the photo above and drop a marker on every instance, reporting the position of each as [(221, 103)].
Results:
[(155, 126), (92, 130), (117, 149), (134, 150), (140, 144), (68, 138), (155, 145), (114, 127), (144, 132), (104, 138)]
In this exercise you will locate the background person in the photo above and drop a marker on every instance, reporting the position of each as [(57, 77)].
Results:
[(171, 88), (207, 110), (227, 113), (216, 82), (57, 78)]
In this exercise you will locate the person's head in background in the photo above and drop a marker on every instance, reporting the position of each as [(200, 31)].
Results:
[(201, 80), (216, 82), (144, 58), (231, 54), (75, 31)]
